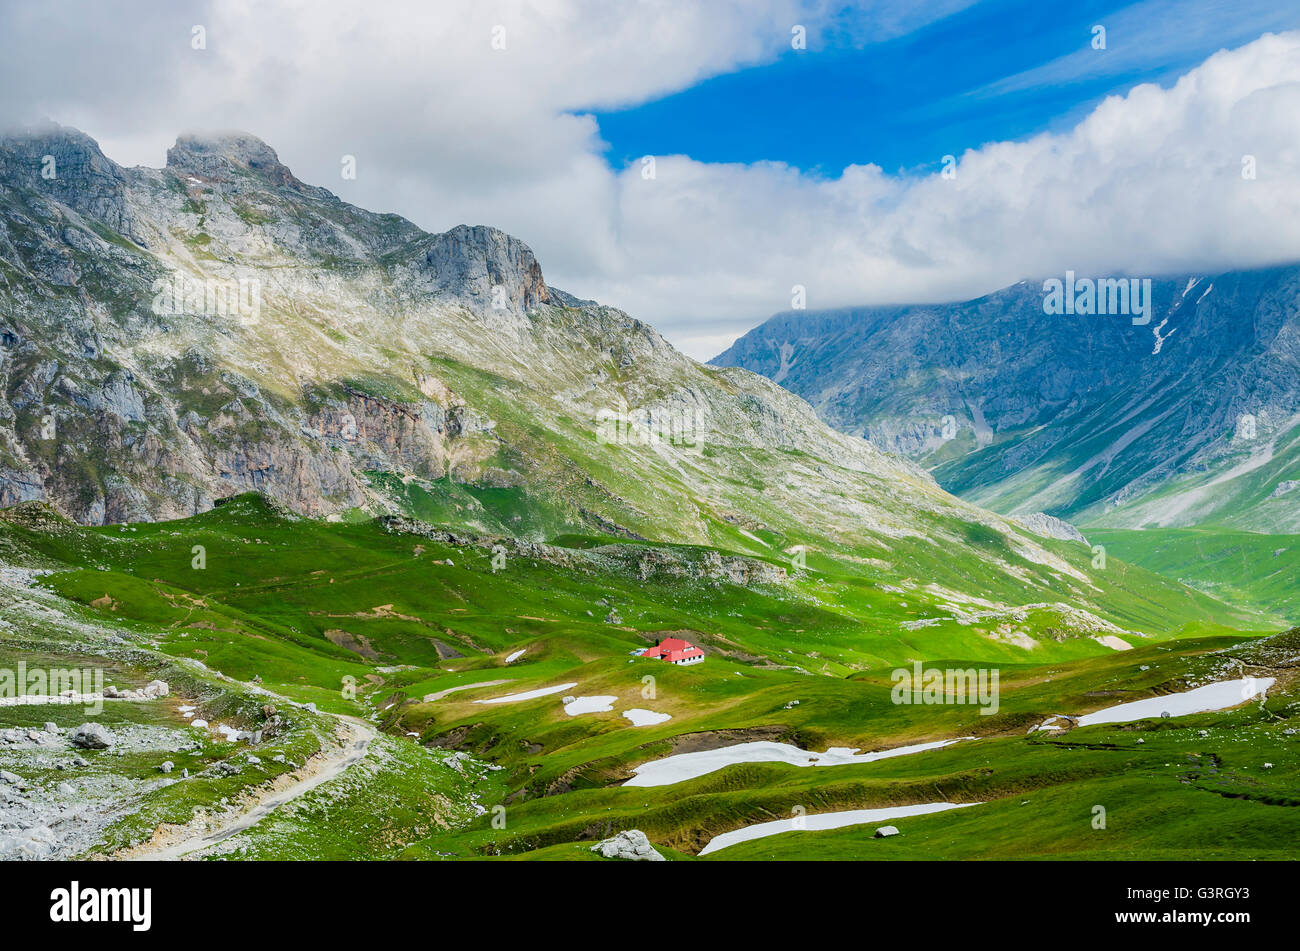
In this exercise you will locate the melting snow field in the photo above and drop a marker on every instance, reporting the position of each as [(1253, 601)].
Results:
[(646, 717), (683, 766), (529, 695), (516, 655), (826, 820), (589, 705), (1220, 696)]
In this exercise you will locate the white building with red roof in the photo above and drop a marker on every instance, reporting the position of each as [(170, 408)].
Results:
[(674, 650)]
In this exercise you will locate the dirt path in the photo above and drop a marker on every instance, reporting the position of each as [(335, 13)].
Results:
[(318, 771)]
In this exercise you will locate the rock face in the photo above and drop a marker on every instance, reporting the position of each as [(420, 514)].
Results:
[(1050, 526), (173, 338), (92, 736), (28, 844), (1087, 417), (632, 845), (222, 157)]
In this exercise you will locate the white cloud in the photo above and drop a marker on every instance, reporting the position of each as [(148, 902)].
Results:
[(1149, 183), (446, 129)]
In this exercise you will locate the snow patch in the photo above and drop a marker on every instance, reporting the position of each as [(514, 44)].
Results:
[(530, 694), (684, 766), (1220, 696), (646, 717), (601, 704), (826, 820)]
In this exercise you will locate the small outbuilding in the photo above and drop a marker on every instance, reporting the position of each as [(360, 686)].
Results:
[(674, 650)]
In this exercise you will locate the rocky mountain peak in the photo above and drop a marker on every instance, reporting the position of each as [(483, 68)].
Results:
[(222, 156), (68, 165)]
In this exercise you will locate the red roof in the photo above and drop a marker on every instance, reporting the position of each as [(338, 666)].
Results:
[(673, 649)]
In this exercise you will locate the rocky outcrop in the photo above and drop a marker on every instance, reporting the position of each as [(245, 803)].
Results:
[(222, 157), (67, 165), (485, 269), (92, 736), (1049, 526), (632, 846)]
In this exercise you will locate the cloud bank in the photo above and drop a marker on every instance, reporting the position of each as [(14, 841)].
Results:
[(447, 127)]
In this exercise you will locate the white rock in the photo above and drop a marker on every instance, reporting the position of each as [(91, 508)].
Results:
[(93, 736), (631, 845), (885, 832)]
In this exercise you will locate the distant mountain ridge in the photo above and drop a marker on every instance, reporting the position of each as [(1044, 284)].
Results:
[(1191, 418)]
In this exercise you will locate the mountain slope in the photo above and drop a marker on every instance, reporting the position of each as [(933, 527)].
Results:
[(174, 336), (1194, 417)]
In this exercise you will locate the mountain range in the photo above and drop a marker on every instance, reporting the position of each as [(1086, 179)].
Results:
[(1186, 415)]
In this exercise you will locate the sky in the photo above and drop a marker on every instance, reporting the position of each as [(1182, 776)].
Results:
[(693, 162)]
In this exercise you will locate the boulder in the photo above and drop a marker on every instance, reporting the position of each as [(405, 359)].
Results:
[(632, 845), (13, 779), (167, 766), (93, 736), (35, 843), (51, 727), (885, 832), (155, 689)]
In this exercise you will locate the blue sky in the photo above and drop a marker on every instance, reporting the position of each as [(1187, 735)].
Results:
[(994, 71)]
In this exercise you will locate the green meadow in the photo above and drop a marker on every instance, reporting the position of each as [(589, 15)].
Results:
[(406, 626)]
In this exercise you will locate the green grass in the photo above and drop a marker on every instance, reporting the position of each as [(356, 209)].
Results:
[(1238, 567), (366, 618)]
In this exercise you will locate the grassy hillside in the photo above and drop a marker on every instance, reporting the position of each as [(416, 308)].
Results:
[(407, 626), (1251, 568)]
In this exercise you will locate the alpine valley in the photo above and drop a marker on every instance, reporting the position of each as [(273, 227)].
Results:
[(364, 529)]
